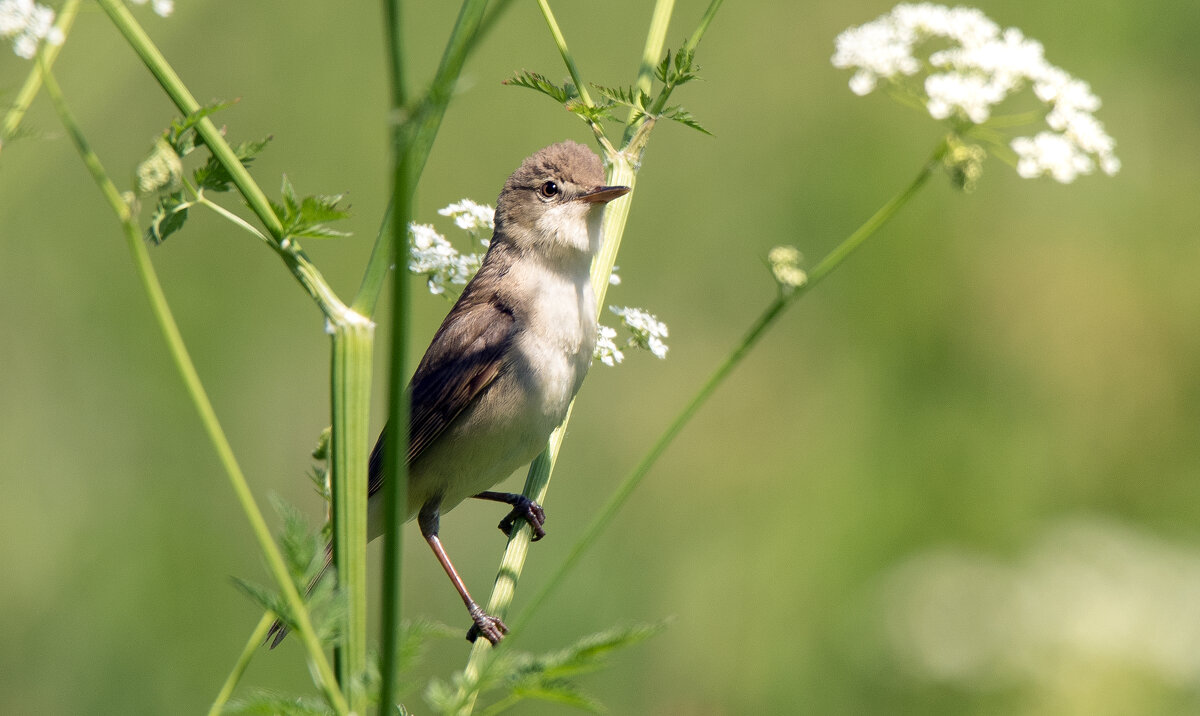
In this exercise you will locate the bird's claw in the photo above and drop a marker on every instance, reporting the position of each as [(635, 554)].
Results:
[(489, 627), (528, 510)]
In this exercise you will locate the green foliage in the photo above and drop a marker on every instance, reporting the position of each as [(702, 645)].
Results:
[(213, 176), (546, 677), (306, 217), (262, 702), (676, 69), (304, 555)]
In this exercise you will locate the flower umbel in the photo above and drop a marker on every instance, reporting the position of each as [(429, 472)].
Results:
[(645, 330), (27, 23), (964, 82)]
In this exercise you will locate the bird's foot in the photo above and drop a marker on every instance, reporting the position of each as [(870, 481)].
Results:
[(528, 510), (489, 627)]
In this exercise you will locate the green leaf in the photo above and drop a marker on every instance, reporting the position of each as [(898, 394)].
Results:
[(181, 134), (169, 215), (684, 117), (626, 96), (215, 177), (271, 703), (539, 83), (307, 216)]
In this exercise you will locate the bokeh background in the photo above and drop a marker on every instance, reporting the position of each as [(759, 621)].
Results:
[(962, 476)]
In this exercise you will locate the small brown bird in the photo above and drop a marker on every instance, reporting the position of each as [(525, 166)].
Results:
[(508, 359)]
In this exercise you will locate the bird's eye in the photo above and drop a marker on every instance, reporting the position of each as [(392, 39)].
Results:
[(549, 190)]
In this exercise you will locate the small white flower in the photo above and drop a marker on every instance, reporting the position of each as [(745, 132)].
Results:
[(645, 329), (980, 69), (785, 264), (613, 278), (476, 219), (28, 23), (607, 351)]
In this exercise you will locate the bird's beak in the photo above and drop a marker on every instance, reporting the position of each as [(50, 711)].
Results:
[(603, 194)]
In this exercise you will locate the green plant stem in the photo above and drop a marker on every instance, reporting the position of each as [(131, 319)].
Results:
[(420, 127), (253, 644), (561, 43), (195, 389), (395, 494), (768, 317), (349, 442), (656, 37), (47, 53), (292, 255)]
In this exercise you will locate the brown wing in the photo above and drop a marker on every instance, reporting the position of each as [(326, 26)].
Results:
[(464, 358)]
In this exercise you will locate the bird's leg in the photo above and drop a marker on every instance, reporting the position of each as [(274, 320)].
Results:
[(522, 508), (490, 627)]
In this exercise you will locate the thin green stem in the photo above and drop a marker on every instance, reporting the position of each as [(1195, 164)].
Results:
[(351, 399), (768, 317), (47, 53), (656, 37), (690, 46), (253, 644), (195, 389), (395, 491), (293, 257), (561, 43), (420, 127)]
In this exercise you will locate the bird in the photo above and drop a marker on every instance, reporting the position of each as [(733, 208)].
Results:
[(503, 368)]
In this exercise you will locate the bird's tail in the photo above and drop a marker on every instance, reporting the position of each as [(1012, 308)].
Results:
[(278, 629)]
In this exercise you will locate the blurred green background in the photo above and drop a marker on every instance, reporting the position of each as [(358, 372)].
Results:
[(962, 476)]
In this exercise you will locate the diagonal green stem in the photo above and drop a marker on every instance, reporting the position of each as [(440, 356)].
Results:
[(293, 257), (561, 43), (191, 380), (253, 644), (47, 53), (826, 266)]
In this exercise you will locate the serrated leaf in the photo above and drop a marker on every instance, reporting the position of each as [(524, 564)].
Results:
[(560, 692), (663, 68), (684, 117), (182, 135), (170, 214), (213, 176), (306, 217), (625, 96), (538, 83)]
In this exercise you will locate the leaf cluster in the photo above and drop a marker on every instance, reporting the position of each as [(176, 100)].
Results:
[(675, 69), (161, 174), (549, 677), (304, 554)]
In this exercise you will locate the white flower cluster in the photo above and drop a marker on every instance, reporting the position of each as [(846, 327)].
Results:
[(162, 8), (982, 67), (27, 23), (645, 330), (433, 257), (607, 351), (478, 220)]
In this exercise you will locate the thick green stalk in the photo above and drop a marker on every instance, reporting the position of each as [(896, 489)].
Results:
[(349, 442), (47, 53), (395, 492), (195, 389), (768, 317)]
